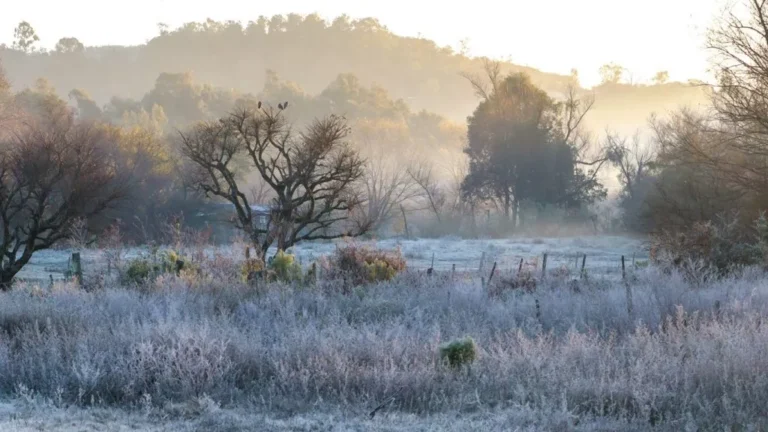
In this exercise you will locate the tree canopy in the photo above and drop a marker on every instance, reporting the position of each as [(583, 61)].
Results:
[(519, 152)]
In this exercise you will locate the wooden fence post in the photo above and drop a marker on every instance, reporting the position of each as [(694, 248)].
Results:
[(520, 267), (583, 264), (405, 222), (493, 270), (77, 267), (544, 267), (431, 269), (623, 270), (453, 272), (630, 305), (628, 288)]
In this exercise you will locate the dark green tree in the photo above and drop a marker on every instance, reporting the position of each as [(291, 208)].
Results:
[(523, 147)]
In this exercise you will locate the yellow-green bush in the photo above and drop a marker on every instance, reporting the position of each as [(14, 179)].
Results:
[(142, 269), (250, 266), (285, 267), (379, 270), (138, 271)]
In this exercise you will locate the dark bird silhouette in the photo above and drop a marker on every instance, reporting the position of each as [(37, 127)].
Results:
[(259, 105), (285, 105), (280, 106)]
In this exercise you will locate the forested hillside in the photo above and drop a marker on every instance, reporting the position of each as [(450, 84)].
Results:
[(311, 53)]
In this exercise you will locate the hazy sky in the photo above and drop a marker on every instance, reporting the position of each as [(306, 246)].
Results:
[(552, 35)]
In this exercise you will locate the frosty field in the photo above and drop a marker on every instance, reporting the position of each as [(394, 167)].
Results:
[(219, 355), (603, 254)]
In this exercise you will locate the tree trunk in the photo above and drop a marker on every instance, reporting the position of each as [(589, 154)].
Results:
[(6, 279), (506, 207), (473, 220), (513, 223)]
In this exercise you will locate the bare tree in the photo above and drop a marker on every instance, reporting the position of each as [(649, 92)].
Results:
[(313, 174), (740, 47), (386, 188), (434, 198), (698, 175), (488, 84), (7, 110), (455, 199), (631, 158), (53, 172)]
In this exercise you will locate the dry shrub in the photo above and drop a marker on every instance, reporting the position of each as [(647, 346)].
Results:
[(561, 272), (112, 243), (250, 268), (224, 267), (721, 245), (524, 279), (674, 248), (359, 265)]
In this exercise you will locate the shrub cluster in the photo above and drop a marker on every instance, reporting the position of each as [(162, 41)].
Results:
[(524, 279), (285, 267), (721, 245), (360, 265), (143, 269)]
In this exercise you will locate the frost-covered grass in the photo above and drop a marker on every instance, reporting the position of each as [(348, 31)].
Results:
[(287, 354), (23, 416), (603, 253)]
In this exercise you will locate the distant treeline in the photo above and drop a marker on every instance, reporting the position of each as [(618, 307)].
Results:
[(311, 52)]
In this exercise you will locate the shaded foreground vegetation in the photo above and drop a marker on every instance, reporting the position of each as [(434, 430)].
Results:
[(691, 354)]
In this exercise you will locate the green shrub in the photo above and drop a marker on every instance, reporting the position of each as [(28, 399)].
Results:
[(138, 271), (458, 353), (285, 267), (142, 269), (360, 265)]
